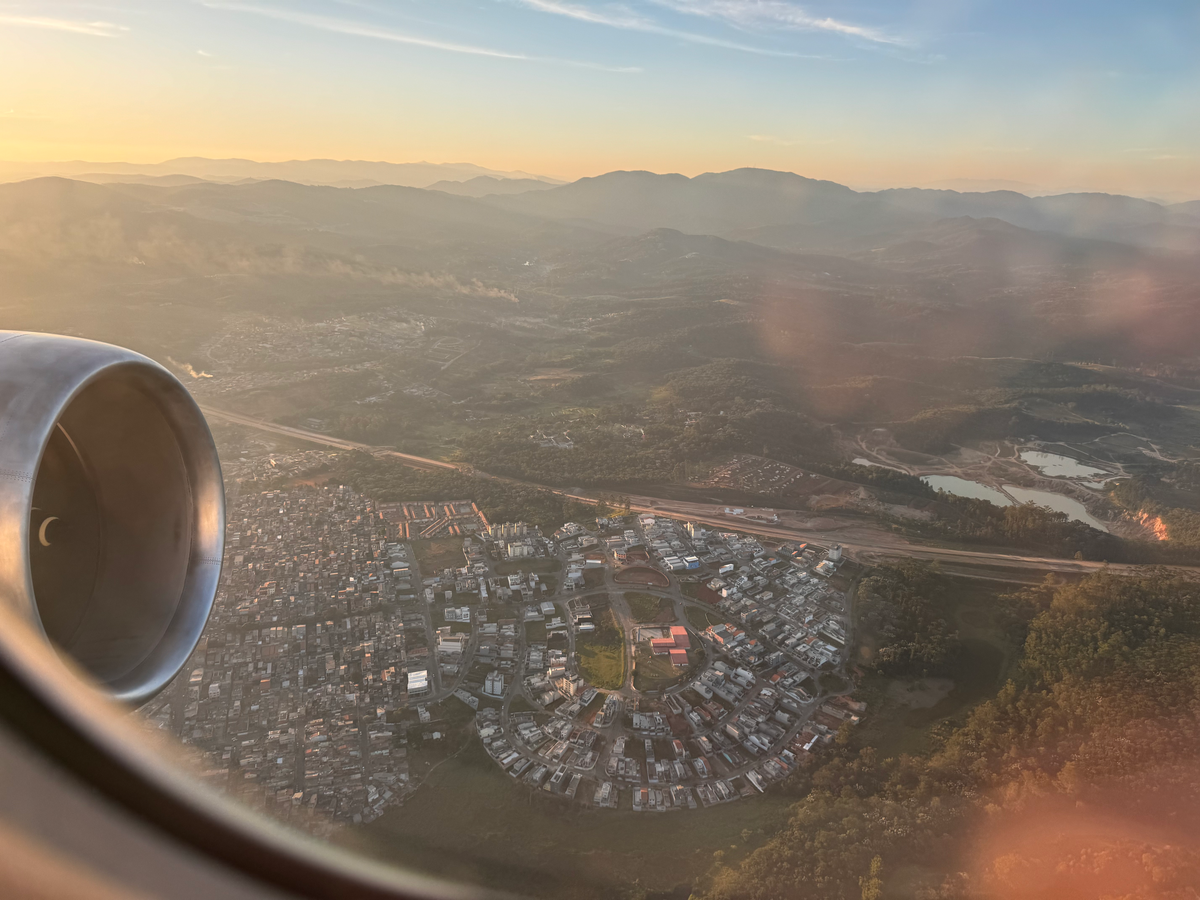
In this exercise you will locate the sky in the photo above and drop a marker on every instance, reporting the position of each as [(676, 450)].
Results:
[(1054, 94)]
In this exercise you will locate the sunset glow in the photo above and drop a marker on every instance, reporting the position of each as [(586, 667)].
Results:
[(1097, 96)]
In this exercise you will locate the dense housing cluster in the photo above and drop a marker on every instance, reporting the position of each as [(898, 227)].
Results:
[(749, 712), (289, 691), (343, 628)]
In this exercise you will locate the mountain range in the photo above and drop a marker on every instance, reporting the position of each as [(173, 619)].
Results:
[(1020, 275), (334, 172), (791, 212), (775, 209), (484, 185)]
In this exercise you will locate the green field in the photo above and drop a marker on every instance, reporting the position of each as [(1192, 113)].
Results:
[(472, 822), (535, 632), (649, 608), (655, 673), (601, 654), (701, 619)]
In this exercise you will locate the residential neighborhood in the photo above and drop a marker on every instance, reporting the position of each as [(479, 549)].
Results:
[(631, 662)]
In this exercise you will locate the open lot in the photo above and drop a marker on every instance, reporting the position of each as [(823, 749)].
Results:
[(602, 654), (470, 821), (649, 608), (642, 575), (520, 704), (540, 566), (657, 673), (438, 554), (701, 619)]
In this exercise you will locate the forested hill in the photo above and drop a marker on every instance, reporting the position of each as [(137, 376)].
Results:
[(1080, 779)]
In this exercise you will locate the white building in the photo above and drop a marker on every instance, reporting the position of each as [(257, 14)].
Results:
[(418, 681), (452, 646)]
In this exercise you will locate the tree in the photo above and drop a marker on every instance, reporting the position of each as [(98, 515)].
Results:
[(872, 883)]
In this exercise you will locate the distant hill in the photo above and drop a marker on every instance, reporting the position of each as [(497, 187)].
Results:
[(343, 173), (986, 184), (848, 266), (993, 250), (838, 229), (776, 209), (49, 225), (485, 185), (1079, 214), (665, 255), (707, 204), (404, 218), (138, 178), (790, 212)]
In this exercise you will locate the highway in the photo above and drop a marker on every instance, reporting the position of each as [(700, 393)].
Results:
[(861, 541), (313, 437)]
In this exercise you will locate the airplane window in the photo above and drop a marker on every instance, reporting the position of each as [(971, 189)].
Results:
[(669, 448)]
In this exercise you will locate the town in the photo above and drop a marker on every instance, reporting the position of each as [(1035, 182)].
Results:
[(632, 662)]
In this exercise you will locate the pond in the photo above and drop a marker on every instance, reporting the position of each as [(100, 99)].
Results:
[(1056, 466), (960, 487), (1057, 502)]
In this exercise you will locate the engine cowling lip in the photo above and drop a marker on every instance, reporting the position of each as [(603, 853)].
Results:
[(94, 740), (77, 725), (41, 375)]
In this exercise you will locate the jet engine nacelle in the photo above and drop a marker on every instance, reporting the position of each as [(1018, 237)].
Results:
[(112, 508)]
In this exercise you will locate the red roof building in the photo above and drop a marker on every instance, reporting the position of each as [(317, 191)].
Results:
[(679, 658), (680, 635), (662, 645)]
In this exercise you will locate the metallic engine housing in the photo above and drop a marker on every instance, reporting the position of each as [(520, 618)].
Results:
[(112, 508)]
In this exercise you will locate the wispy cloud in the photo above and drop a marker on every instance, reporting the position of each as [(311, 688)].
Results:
[(16, 115), (759, 14), (623, 18), (93, 29), (1157, 153), (366, 30)]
